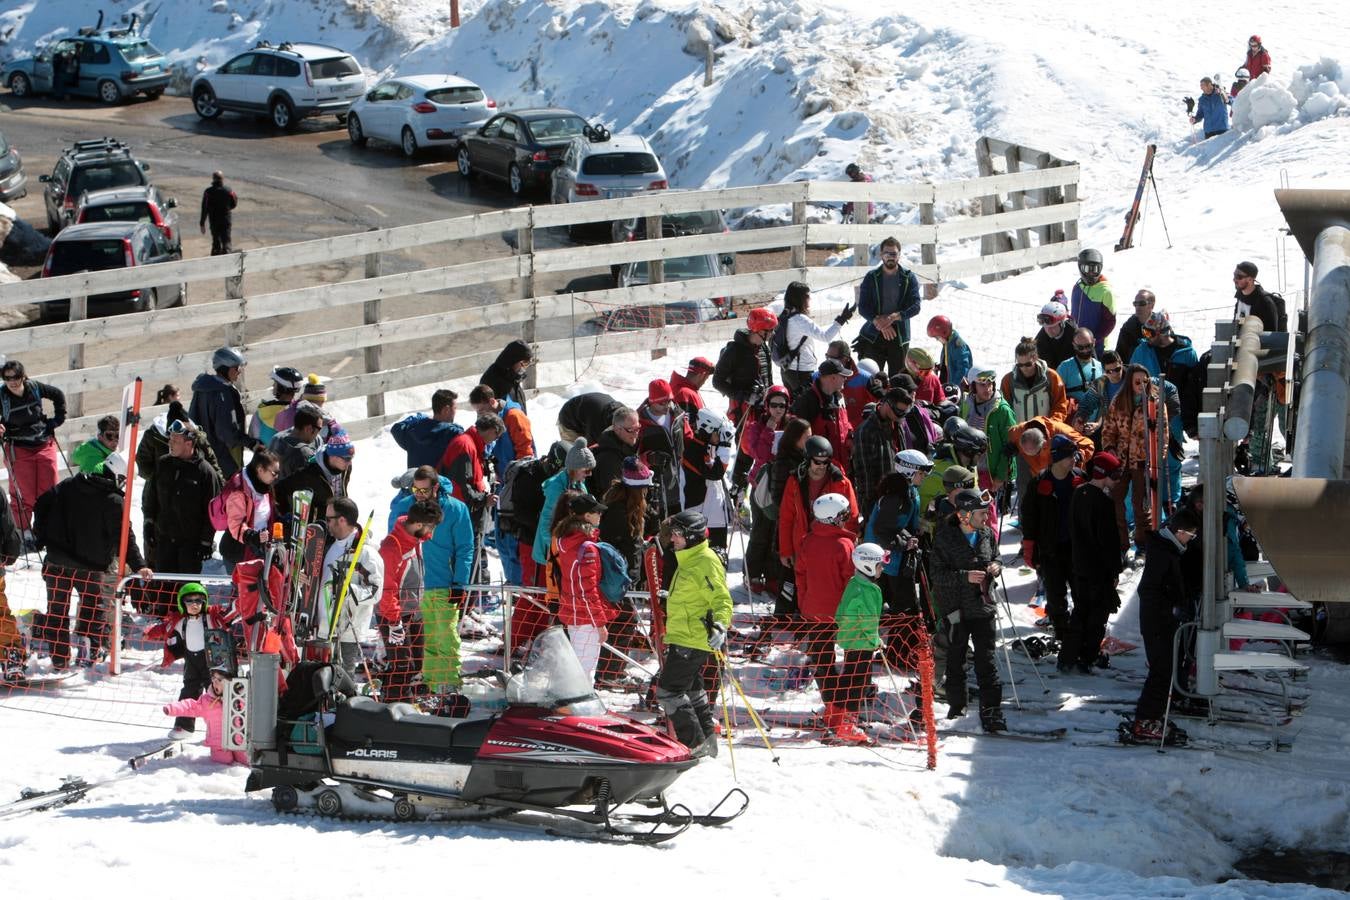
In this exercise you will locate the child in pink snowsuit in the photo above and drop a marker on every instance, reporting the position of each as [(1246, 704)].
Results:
[(210, 707)]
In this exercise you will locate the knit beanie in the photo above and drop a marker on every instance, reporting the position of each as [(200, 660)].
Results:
[(636, 472), (580, 456), (314, 386), (339, 444), (1062, 447)]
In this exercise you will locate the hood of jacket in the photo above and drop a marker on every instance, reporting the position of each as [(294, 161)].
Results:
[(210, 383), (421, 430), (514, 352)]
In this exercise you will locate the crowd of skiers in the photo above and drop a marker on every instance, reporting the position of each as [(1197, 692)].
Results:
[(878, 478)]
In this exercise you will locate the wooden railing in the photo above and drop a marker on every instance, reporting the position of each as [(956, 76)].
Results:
[(945, 251)]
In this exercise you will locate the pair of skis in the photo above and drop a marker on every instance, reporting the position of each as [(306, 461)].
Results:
[(1155, 442), (74, 789)]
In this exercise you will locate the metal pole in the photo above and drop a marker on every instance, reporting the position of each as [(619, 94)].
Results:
[(1246, 366), (1320, 450)]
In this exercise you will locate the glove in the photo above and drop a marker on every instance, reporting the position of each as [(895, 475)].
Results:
[(1029, 553), (257, 617), (1190, 104), (208, 549), (717, 636), (846, 314), (724, 453), (253, 539), (394, 634)]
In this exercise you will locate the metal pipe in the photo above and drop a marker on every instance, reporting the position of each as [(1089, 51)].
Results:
[(1320, 450), (1246, 367)]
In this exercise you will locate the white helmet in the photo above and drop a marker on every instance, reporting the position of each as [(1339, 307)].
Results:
[(726, 434), (832, 509), (1242, 74), (116, 464), (907, 462), (869, 558), (707, 423), (868, 368)]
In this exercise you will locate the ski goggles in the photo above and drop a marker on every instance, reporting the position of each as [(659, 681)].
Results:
[(1048, 320), (988, 376), (178, 426)]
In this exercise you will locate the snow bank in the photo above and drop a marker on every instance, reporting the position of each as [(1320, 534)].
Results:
[(1317, 91)]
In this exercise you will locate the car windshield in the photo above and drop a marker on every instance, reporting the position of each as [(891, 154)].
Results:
[(335, 67), (134, 211), (700, 221), (107, 175), (462, 94), (139, 51), (69, 257), (619, 164), (553, 678), (681, 268), (556, 127)]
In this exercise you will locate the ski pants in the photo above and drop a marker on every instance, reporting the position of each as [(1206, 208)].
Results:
[(981, 633), (855, 675), (586, 641), (761, 554), (1157, 625), (32, 473), (220, 238), (679, 689), (888, 355), (91, 623), (1137, 487), (1094, 599), (440, 626), (1057, 574), (817, 642), (508, 551), (196, 679), (10, 638)]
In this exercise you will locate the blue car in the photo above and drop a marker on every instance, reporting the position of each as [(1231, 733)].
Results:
[(112, 66)]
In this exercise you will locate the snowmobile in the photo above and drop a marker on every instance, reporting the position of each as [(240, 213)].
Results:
[(554, 753)]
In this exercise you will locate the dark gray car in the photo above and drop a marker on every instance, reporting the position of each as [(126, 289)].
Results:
[(98, 246)]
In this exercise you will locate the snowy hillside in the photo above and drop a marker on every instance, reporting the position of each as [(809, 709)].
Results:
[(800, 90)]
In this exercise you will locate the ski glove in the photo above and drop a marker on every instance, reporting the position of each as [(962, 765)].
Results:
[(717, 636), (395, 635), (846, 314)]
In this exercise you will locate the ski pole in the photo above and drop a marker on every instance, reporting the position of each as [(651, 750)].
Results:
[(23, 510), (749, 708), (1007, 660), (895, 686), (726, 719), (1018, 636), (64, 458), (347, 579)]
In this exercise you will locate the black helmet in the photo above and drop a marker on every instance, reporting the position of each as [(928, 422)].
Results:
[(969, 439), (969, 499), (953, 425), (557, 456), (691, 523), (818, 446), (1090, 264), (852, 169)]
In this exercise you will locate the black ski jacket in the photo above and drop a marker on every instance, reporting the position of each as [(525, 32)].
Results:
[(177, 499), (1096, 539), (589, 414), (609, 453), (743, 370), (25, 422), (80, 522), (951, 558), (502, 377)]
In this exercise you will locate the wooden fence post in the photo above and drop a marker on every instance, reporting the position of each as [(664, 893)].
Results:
[(525, 248), (234, 290), (79, 310), (656, 274), (371, 315), (928, 252), (1071, 225), (862, 253), (798, 259)]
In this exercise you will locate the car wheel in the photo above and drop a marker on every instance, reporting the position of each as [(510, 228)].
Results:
[(108, 91), (204, 102), (409, 142), (463, 162), (354, 132), (19, 85), (283, 114), (514, 179), (148, 300), (182, 295)]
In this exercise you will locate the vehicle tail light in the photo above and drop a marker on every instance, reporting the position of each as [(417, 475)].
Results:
[(658, 185), (128, 255), (491, 104), (719, 302), (540, 156), (68, 202), (128, 75), (309, 76), (424, 107), (47, 263), (168, 232), (586, 190)]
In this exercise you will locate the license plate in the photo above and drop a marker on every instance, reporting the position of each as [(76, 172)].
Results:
[(611, 195), (150, 70)]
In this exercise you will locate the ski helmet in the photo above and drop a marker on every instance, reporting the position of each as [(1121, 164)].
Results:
[(691, 524), (940, 328), (832, 509), (969, 439), (761, 319), (969, 500), (1159, 322), (288, 377), (1242, 74), (224, 668), (1090, 265), (190, 589), (1054, 312), (907, 462), (707, 423), (818, 446), (869, 368), (869, 558), (115, 464), (227, 358), (951, 426)]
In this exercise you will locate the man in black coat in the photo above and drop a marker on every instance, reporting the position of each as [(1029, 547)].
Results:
[(327, 475), (176, 504), (587, 415), (744, 370), (1047, 534), (218, 203), (506, 375), (79, 522), (1132, 330), (1096, 564), (617, 441), (1252, 298)]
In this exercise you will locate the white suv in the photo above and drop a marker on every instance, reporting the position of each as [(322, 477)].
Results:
[(287, 82), (599, 165)]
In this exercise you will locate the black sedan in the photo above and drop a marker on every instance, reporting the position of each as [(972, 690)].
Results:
[(521, 147)]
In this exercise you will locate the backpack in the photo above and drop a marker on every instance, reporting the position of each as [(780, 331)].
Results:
[(215, 510), (614, 578), (779, 351), (521, 497), (1281, 316)]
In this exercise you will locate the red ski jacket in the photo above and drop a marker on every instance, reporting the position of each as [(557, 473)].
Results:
[(399, 551), (824, 567), (579, 599), (794, 513), (217, 617)]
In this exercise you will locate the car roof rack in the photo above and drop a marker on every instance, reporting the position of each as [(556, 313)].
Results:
[(596, 134), (90, 32), (129, 30), (98, 145), (263, 45)]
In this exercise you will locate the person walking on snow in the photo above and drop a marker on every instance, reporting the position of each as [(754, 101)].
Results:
[(218, 203), (1093, 305), (1096, 564), (1211, 110), (1257, 62)]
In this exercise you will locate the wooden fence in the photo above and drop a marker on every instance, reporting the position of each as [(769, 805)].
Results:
[(946, 252)]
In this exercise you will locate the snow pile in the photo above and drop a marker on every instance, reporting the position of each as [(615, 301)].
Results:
[(1263, 102), (1317, 91)]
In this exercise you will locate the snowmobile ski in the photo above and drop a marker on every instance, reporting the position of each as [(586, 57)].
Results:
[(74, 788)]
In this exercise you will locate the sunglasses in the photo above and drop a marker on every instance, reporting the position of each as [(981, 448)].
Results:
[(633, 429), (890, 254), (1082, 346), (13, 379), (1140, 304), (820, 460), (1114, 370), (777, 406), (1026, 365), (422, 492), (1237, 276), (1149, 332)]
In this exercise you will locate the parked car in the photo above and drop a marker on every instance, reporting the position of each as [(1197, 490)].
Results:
[(97, 246), (13, 181), (705, 221), (133, 204), (287, 83), (416, 111), (112, 65), (600, 166), (678, 312), (521, 147), (88, 166)]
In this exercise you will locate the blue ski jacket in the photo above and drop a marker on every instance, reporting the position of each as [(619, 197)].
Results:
[(447, 558)]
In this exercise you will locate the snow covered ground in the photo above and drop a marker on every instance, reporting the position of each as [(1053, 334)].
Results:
[(801, 89)]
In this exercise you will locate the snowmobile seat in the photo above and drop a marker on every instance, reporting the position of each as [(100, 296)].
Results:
[(364, 721)]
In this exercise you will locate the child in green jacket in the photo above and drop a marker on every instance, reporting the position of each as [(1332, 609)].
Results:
[(858, 619)]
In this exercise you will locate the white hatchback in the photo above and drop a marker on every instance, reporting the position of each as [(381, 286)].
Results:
[(415, 111), (600, 165)]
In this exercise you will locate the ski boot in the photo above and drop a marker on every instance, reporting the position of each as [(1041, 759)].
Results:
[(955, 712), (13, 667), (992, 721), (1150, 731), (846, 730)]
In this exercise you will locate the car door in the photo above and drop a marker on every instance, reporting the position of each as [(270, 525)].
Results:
[(507, 145), (230, 81), (483, 144), (54, 191), (168, 215), (376, 118), (260, 80), (94, 64), (42, 69)]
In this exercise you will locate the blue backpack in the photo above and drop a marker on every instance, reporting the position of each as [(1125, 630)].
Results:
[(614, 580)]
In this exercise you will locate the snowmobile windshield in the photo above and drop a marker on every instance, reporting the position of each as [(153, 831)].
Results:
[(553, 678)]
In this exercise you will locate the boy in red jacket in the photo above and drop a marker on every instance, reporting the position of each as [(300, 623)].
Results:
[(399, 611), (824, 565)]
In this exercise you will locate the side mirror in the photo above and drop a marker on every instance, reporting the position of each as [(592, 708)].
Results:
[(370, 96), (171, 203), (145, 167)]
